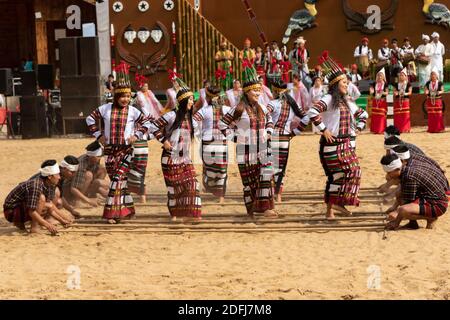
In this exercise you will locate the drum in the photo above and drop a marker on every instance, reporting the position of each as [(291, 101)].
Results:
[(382, 64), (423, 60), (407, 58), (363, 63)]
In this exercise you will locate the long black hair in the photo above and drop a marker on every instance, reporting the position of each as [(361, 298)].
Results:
[(337, 96), (181, 113), (293, 104)]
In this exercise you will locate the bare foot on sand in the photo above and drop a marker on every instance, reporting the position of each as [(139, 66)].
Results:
[(393, 225), (411, 225), (192, 220), (279, 200), (20, 225), (431, 224), (342, 210), (271, 214)]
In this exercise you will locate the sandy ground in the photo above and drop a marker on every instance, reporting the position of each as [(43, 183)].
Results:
[(283, 265)]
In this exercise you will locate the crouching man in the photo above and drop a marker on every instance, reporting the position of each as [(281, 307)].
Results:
[(32, 200), (424, 190)]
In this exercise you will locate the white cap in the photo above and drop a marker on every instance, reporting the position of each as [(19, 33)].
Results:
[(435, 35), (404, 71), (435, 70), (394, 165), (300, 40), (382, 71), (425, 37), (49, 170)]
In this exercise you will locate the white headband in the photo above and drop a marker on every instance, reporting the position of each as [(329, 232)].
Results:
[(403, 155), (387, 135), (394, 165), (390, 147), (95, 153), (70, 167), (49, 170)]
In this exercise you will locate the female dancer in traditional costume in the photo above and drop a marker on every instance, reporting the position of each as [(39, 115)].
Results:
[(434, 90), (214, 143), (254, 127), (402, 93), (289, 120), (175, 131), (379, 92), (123, 126), (337, 119)]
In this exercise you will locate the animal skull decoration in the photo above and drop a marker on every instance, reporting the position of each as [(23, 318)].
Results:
[(143, 34), (130, 34), (156, 35)]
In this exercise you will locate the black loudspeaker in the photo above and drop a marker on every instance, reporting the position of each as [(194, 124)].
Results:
[(15, 123), (45, 76), (33, 120), (72, 86), (28, 87), (89, 56), (415, 87), (79, 106), (364, 86), (6, 82), (68, 56)]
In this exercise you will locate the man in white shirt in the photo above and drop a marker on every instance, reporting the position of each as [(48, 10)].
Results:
[(423, 52), (437, 55), (363, 55), (353, 92), (384, 59)]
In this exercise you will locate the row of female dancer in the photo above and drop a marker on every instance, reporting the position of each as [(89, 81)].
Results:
[(402, 90), (262, 134)]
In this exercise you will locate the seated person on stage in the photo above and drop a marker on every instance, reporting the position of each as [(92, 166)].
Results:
[(424, 190), (90, 177), (32, 200)]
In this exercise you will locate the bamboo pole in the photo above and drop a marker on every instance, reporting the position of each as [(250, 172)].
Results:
[(181, 231), (285, 197), (228, 204), (261, 221), (190, 37), (165, 215), (185, 52), (198, 64), (180, 36), (203, 58), (221, 227)]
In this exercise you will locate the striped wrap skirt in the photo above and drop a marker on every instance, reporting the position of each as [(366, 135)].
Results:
[(183, 192), (138, 166), (280, 152), (215, 165), (257, 179), (119, 203), (341, 166)]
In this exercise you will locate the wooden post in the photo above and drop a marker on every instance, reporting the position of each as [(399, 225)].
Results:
[(41, 42)]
